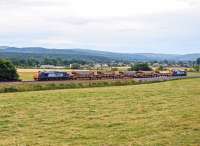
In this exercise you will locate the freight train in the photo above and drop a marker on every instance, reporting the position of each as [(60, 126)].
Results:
[(98, 75)]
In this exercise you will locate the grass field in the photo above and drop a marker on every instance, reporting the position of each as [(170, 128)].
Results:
[(192, 74), (166, 113)]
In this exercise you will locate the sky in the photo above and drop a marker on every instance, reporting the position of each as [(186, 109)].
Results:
[(132, 26)]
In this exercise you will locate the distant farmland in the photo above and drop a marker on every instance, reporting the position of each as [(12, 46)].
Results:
[(164, 113)]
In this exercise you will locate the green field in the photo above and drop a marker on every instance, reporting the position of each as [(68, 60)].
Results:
[(193, 74), (166, 113)]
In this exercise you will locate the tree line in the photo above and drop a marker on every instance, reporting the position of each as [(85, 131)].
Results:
[(197, 67), (32, 62)]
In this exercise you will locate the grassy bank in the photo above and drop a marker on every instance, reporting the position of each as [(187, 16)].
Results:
[(73, 84), (37, 86), (164, 113), (193, 74)]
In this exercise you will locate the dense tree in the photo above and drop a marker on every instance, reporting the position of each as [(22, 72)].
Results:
[(141, 67), (161, 68), (198, 63), (8, 71), (75, 66), (114, 69)]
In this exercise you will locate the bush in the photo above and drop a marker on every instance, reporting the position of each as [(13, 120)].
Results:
[(75, 66), (8, 71), (10, 89), (141, 67), (196, 68), (114, 69), (21, 87)]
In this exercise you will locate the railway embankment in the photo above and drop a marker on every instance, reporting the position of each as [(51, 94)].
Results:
[(7, 87)]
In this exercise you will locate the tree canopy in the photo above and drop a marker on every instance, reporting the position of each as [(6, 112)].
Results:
[(198, 64), (198, 61), (75, 66), (8, 71), (141, 67)]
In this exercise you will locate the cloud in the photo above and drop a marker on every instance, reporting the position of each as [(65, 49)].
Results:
[(122, 25), (27, 3)]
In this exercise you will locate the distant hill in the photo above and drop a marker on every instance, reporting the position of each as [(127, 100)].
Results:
[(3, 47), (85, 54)]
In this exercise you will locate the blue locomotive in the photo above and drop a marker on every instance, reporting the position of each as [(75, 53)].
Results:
[(51, 75), (179, 73)]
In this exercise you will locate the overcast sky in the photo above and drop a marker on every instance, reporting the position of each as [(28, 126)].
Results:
[(157, 26)]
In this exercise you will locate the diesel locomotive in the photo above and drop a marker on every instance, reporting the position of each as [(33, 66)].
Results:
[(51, 75)]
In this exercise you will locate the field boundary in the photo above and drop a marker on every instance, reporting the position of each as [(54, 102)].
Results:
[(23, 86)]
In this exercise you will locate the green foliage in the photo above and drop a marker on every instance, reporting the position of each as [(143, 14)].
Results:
[(198, 64), (8, 71), (161, 68), (21, 87), (114, 69), (141, 67), (198, 61), (75, 66), (28, 60), (34, 62), (10, 89), (196, 68)]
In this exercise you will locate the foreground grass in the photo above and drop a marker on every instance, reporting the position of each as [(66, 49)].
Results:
[(165, 113)]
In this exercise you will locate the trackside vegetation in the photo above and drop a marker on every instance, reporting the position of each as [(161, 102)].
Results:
[(37, 86), (158, 114), (54, 85)]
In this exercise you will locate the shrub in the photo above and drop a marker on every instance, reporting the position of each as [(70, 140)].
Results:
[(141, 67), (10, 89), (75, 66), (114, 69)]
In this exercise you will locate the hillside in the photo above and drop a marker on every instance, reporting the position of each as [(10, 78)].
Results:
[(85, 54), (152, 114)]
